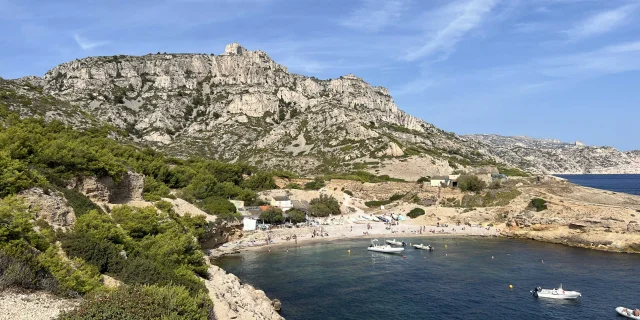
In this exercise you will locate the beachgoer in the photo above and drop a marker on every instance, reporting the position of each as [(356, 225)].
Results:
[(636, 312)]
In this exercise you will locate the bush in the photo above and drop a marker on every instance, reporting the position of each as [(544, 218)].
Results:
[(424, 179), (415, 212), (538, 204), (316, 184), (272, 215), (471, 183), (137, 222), (78, 201), (293, 186), (377, 203), (217, 206), (260, 181), (297, 216), (348, 192), (74, 276), (144, 302), (324, 206), (101, 253)]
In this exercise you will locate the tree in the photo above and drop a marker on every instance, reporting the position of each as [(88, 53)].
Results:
[(471, 183), (316, 184), (260, 181), (296, 216), (272, 215), (415, 212), (324, 206), (538, 204), (217, 206)]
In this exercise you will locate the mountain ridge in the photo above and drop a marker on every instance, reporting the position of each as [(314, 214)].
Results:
[(243, 106)]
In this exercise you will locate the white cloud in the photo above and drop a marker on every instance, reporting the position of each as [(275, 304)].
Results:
[(447, 25), (612, 59), (374, 15), (86, 44), (601, 22)]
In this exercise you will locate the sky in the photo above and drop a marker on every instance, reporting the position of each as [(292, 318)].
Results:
[(562, 69)]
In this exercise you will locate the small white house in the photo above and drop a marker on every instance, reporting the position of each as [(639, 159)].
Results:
[(282, 202), (249, 224), (439, 181)]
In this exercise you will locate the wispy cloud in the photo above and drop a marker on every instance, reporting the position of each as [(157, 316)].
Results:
[(602, 22), (449, 25), (611, 59), (374, 15), (86, 44)]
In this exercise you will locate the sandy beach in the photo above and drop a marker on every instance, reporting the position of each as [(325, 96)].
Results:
[(285, 237)]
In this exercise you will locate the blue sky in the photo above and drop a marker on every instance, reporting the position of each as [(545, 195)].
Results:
[(565, 69)]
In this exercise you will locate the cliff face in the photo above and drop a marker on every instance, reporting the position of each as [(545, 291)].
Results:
[(243, 106), (553, 156)]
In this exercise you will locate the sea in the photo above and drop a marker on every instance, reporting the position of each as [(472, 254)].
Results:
[(463, 278), (627, 183)]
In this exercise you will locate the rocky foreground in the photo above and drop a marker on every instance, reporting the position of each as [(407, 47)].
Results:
[(24, 305)]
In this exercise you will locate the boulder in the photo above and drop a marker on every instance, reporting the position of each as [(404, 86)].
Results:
[(105, 190), (633, 226), (51, 206)]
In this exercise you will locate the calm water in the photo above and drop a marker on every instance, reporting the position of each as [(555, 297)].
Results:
[(627, 183), (323, 281)]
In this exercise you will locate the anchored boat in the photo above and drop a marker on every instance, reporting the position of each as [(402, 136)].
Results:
[(558, 293), (395, 243), (626, 312), (423, 247), (384, 248)]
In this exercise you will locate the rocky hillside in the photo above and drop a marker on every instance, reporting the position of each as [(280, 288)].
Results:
[(243, 106), (554, 156)]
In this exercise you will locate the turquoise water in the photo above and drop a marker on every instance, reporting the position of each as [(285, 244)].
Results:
[(462, 281), (627, 183)]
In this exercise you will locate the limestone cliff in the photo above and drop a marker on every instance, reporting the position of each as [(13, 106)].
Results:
[(553, 156)]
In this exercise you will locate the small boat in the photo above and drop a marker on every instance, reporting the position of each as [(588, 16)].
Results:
[(383, 219), (374, 218), (384, 248), (626, 312), (395, 243), (394, 216), (558, 293), (423, 247)]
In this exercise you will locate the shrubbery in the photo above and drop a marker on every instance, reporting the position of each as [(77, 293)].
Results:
[(316, 184), (415, 212), (471, 183), (377, 203), (296, 216), (272, 215), (293, 186), (324, 206), (144, 302), (538, 204)]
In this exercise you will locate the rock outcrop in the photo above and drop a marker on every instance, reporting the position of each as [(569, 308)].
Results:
[(51, 206), (556, 157), (234, 300), (105, 190), (16, 305)]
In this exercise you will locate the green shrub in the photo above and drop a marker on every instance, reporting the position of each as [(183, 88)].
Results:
[(272, 215), (348, 192), (137, 222), (217, 206), (293, 186), (144, 302), (260, 181), (316, 184), (101, 253), (471, 183), (73, 276), (513, 172), (78, 201), (415, 212), (424, 179), (297, 216), (538, 204), (378, 203), (324, 206)]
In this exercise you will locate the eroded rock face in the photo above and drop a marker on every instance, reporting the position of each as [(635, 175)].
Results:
[(234, 300), (50, 206), (105, 190)]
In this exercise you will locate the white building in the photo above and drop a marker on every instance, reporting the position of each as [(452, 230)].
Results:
[(249, 224), (439, 181), (282, 202)]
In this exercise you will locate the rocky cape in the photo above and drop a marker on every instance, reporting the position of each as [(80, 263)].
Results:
[(243, 106)]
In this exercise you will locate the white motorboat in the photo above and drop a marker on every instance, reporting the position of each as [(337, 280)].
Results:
[(558, 293), (629, 313), (423, 247), (384, 248), (395, 243)]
